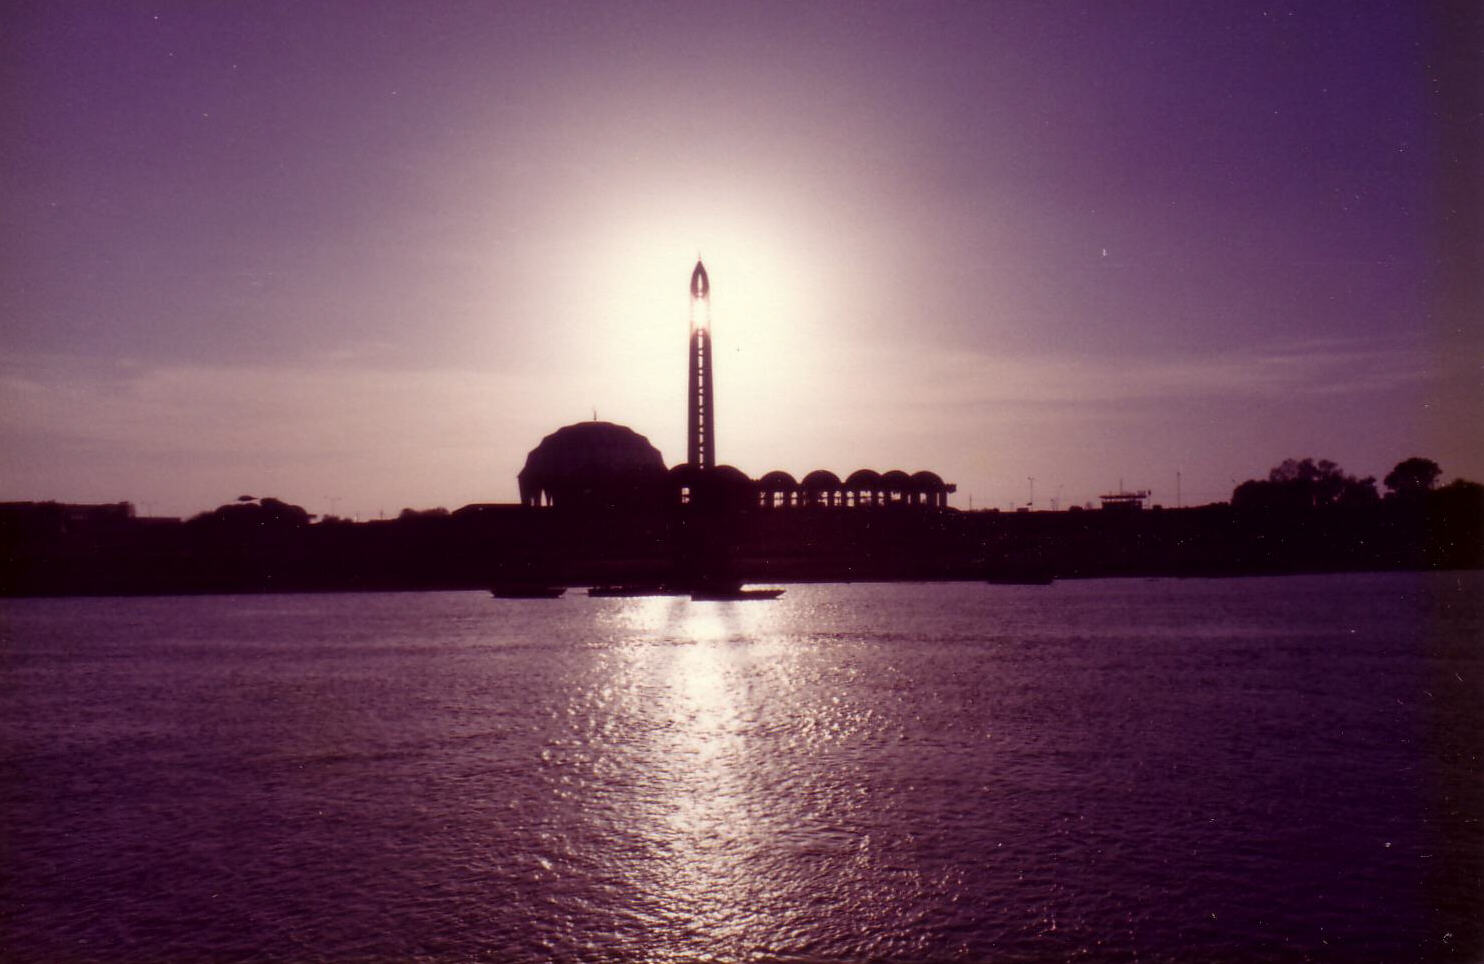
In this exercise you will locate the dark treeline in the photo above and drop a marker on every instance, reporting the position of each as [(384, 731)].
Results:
[(1307, 516)]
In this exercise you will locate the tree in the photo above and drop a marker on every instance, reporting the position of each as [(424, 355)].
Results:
[(413, 515), (254, 513), (1456, 525), (1306, 484), (1412, 478)]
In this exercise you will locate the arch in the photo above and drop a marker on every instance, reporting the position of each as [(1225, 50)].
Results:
[(928, 489), (683, 481), (729, 488), (896, 485), (821, 487), (927, 481), (731, 477), (863, 487), (722, 487), (777, 489)]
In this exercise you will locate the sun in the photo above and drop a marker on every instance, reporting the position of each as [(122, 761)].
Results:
[(767, 317)]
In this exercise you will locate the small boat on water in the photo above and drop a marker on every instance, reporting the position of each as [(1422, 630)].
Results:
[(728, 593), (526, 590)]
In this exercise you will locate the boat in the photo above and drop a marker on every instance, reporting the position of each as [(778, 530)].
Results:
[(526, 590), (728, 593)]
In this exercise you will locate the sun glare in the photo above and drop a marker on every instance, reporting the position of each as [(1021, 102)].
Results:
[(766, 314)]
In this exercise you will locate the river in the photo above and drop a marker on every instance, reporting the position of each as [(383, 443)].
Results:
[(1263, 769)]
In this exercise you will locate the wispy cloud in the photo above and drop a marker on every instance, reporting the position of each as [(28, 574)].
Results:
[(1294, 370)]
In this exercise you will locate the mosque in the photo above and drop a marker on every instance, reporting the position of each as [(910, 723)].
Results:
[(600, 465)]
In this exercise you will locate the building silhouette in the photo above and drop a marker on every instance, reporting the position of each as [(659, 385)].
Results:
[(599, 507), (595, 464), (700, 449)]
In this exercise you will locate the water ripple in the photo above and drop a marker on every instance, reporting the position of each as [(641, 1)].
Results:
[(1265, 770)]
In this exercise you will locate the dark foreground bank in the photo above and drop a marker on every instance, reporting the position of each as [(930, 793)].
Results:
[(52, 549)]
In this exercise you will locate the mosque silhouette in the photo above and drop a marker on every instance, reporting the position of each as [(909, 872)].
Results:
[(603, 466), (598, 507)]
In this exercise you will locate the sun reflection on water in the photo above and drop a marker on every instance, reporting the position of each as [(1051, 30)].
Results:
[(710, 819), (704, 819)]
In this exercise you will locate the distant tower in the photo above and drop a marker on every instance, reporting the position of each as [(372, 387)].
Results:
[(701, 438)]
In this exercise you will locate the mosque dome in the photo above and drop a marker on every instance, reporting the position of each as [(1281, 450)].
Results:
[(595, 464)]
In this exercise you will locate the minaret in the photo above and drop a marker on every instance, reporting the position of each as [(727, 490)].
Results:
[(701, 444)]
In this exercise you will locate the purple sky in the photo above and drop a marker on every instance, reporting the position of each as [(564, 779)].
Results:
[(362, 256)]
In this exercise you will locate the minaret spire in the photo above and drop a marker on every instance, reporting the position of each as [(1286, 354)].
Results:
[(701, 437)]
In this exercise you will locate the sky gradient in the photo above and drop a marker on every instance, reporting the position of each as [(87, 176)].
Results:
[(363, 256)]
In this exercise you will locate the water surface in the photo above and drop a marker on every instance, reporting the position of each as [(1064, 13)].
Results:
[(1162, 770)]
